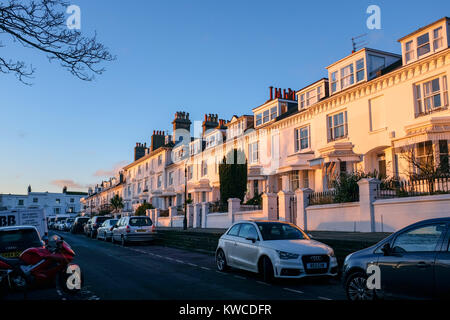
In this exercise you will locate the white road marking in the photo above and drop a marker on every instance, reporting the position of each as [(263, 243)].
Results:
[(324, 298), (192, 265), (179, 261), (292, 290), (262, 282), (205, 268), (239, 277)]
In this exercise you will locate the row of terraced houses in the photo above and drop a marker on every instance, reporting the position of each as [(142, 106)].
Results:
[(360, 117)]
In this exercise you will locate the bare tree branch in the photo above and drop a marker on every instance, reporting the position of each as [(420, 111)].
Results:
[(41, 25)]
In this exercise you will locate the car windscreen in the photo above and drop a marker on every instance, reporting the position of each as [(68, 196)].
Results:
[(279, 231), (140, 222), (113, 222), (19, 239)]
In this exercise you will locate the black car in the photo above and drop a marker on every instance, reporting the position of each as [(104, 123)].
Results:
[(414, 263), (78, 225), (93, 224), (15, 240)]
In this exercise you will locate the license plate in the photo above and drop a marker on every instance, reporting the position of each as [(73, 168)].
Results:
[(141, 230), (14, 254), (316, 265)]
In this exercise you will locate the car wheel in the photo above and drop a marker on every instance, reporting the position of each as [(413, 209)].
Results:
[(266, 269), (356, 287), (221, 261)]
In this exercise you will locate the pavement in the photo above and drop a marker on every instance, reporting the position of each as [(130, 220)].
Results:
[(151, 272)]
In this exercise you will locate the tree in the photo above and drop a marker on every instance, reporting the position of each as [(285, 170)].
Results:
[(140, 211), (41, 25), (116, 203), (233, 176)]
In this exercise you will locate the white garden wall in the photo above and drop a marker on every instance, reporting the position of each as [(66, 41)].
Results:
[(394, 214)]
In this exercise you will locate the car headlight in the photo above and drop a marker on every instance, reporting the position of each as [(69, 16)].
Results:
[(287, 255)]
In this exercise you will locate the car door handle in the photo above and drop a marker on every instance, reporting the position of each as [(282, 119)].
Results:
[(423, 265)]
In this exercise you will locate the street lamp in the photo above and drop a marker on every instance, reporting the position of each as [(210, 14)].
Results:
[(185, 198)]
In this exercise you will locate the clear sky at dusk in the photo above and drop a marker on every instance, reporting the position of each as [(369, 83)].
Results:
[(196, 56)]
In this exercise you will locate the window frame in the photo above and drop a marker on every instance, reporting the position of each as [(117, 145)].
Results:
[(331, 127), (421, 98), (298, 138)]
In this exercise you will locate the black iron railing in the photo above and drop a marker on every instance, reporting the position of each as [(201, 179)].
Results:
[(414, 187)]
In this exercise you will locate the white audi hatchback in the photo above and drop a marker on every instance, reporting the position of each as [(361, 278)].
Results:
[(274, 249)]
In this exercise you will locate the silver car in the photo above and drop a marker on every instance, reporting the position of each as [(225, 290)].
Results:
[(106, 230), (274, 249), (133, 229)]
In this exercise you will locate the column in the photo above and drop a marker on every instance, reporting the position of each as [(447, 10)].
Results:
[(284, 203), (205, 208), (234, 205), (367, 195), (302, 202), (269, 205)]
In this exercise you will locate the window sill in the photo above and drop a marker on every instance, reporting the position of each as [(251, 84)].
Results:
[(378, 130), (422, 114)]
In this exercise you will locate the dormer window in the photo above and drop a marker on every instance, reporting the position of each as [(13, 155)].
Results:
[(409, 51), (334, 82), (359, 70), (259, 119), (423, 45), (347, 78), (437, 38), (425, 41), (273, 113)]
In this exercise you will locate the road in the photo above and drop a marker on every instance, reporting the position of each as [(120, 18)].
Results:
[(113, 272)]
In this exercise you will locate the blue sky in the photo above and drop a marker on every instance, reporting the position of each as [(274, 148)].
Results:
[(197, 56)]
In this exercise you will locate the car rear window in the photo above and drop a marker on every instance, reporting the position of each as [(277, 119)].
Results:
[(101, 219), (140, 222), (279, 231), (25, 238)]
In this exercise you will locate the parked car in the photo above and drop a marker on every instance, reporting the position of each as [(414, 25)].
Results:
[(68, 224), (14, 240), (93, 224), (413, 262), (106, 229), (133, 229), (78, 224), (274, 249)]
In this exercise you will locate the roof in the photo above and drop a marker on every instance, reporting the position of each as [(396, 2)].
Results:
[(423, 28), (361, 50), (311, 84)]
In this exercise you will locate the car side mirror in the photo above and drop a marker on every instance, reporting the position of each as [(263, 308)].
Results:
[(386, 249), (310, 236), (252, 239)]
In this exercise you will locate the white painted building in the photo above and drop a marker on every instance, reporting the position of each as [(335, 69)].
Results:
[(370, 106), (53, 204)]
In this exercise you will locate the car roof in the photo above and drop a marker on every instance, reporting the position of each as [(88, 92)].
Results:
[(13, 228)]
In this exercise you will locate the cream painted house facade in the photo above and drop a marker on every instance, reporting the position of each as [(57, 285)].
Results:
[(371, 105)]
